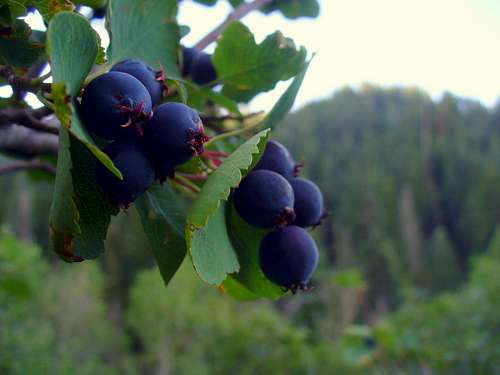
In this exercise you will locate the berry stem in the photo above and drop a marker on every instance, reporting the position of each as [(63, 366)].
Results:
[(192, 177), (183, 181), (215, 154)]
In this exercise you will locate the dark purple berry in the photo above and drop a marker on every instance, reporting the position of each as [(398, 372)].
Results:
[(203, 70), (265, 199), (115, 105), (188, 56), (288, 257), (138, 173), (308, 202), (174, 134), (144, 73), (277, 158), (99, 12)]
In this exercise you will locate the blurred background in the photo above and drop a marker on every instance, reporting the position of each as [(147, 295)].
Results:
[(399, 124)]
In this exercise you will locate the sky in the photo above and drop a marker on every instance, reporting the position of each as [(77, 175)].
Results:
[(437, 45)]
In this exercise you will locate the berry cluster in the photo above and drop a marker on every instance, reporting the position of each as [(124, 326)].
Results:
[(148, 138), (198, 65), (272, 196)]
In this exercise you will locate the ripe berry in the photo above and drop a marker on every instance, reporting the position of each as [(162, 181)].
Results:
[(202, 69), (174, 134), (114, 106), (188, 56), (144, 73), (288, 257), (308, 202), (265, 199), (277, 158), (137, 171), (99, 12)]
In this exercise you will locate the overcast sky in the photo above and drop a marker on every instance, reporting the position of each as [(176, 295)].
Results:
[(437, 45)]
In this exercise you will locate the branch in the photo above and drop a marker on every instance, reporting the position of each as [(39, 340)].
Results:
[(20, 84), (20, 165), (236, 15), (28, 117), (21, 140)]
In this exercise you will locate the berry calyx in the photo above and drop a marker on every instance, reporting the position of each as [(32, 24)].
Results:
[(288, 257), (265, 199)]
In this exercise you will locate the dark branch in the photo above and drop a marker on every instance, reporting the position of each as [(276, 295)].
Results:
[(20, 140), (20, 84), (236, 15), (31, 118), (20, 165)]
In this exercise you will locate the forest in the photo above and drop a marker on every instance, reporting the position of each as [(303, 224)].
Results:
[(408, 281)]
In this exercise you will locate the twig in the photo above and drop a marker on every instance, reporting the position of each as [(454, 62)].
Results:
[(236, 15), (20, 84), (20, 140), (186, 183), (192, 177), (31, 118), (20, 165)]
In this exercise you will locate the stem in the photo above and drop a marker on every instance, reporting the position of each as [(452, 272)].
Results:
[(192, 177), (28, 117), (236, 15), (19, 165), (186, 183), (215, 154), (232, 133)]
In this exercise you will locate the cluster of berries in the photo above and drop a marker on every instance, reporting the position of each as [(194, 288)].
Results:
[(272, 196), (198, 65), (148, 138)]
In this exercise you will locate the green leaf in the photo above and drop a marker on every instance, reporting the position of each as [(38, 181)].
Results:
[(93, 206), (73, 46), (163, 221), (198, 97), (237, 290), (227, 176), (145, 30), (211, 250), (285, 102), (16, 48), (206, 235), (64, 216), (246, 68), (293, 8), (246, 241)]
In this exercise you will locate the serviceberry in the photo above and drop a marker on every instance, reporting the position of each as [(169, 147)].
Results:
[(115, 105), (137, 171), (188, 56), (308, 202), (144, 73), (203, 70), (174, 134), (288, 257), (278, 159), (265, 199)]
